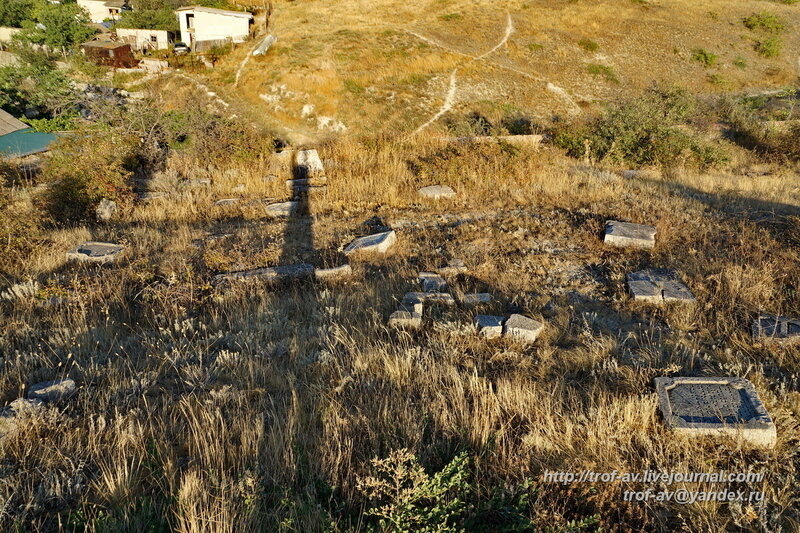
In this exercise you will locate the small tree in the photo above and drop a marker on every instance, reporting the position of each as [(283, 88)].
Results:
[(57, 26)]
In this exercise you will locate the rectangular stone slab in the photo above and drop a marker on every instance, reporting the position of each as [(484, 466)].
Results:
[(522, 328), (309, 163), (405, 319), (278, 273), (333, 272), (658, 286), (283, 209), (779, 329), (489, 326), (377, 243), (476, 298), (626, 234), (432, 282), (728, 406)]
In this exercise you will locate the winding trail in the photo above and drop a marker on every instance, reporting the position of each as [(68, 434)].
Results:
[(450, 96)]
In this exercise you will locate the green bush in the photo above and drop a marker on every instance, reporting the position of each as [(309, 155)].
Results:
[(642, 131), (765, 21), (770, 47), (705, 57), (602, 70)]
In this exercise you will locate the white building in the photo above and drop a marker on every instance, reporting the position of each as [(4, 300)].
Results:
[(205, 26), (101, 10), (143, 40)]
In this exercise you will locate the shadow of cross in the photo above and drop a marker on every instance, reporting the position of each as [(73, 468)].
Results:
[(298, 251)]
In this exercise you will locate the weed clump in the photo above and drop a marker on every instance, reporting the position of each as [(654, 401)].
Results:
[(643, 130)]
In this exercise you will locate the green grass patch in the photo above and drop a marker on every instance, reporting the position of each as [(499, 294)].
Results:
[(766, 22), (602, 70), (701, 55), (740, 62), (353, 87), (451, 17), (534, 47), (769, 47), (589, 45)]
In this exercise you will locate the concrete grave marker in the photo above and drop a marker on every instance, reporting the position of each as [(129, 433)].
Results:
[(779, 329), (658, 286), (729, 406), (437, 192), (333, 272), (489, 326), (522, 328), (405, 319), (95, 252), (283, 209), (432, 282), (309, 164), (51, 391), (625, 234), (478, 298), (377, 243), (270, 274), (106, 210)]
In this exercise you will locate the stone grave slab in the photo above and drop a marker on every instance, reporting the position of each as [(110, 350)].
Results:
[(626, 234), (51, 391), (429, 298), (432, 282), (95, 252), (378, 243), (522, 328), (477, 298), (437, 192), (728, 406), (333, 272), (453, 267), (405, 319), (309, 163), (270, 274), (282, 209), (412, 306), (778, 329), (489, 326), (658, 286)]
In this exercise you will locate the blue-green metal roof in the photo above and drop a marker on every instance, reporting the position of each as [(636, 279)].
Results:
[(25, 142)]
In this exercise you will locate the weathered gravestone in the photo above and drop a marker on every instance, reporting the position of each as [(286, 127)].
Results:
[(453, 267), (625, 234), (309, 164), (437, 192), (522, 328), (728, 406), (658, 286), (489, 326), (283, 209), (333, 272), (95, 252), (432, 282), (430, 298), (477, 298), (408, 316), (51, 391), (106, 210), (780, 329), (377, 243)]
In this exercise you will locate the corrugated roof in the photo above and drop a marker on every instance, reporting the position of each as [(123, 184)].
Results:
[(8, 124), (201, 9)]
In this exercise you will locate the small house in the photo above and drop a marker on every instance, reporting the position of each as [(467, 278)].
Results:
[(109, 54), (17, 139), (145, 40), (101, 10), (204, 27)]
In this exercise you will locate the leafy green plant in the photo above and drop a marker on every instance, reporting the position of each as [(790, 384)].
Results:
[(705, 57), (740, 62), (588, 45), (404, 498)]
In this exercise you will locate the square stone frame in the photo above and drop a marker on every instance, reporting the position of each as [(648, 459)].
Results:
[(760, 430)]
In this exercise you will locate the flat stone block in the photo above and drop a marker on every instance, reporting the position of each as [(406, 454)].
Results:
[(226, 202), (658, 286), (453, 267), (412, 307), (729, 406), (522, 328), (272, 274), (405, 319), (333, 272), (477, 298), (377, 243), (51, 391), (779, 329), (625, 234), (283, 209), (489, 326), (432, 282), (444, 298), (309, 163), (437, 192), (95, 252)]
